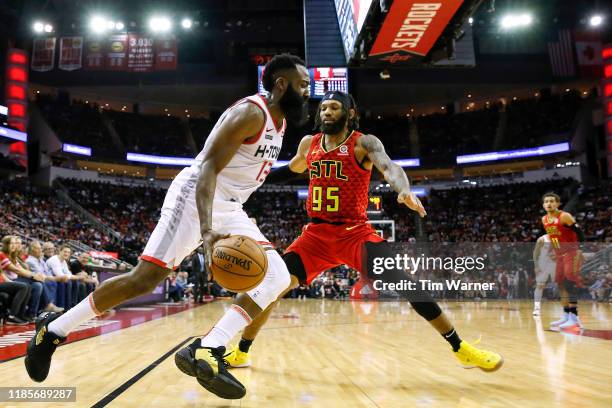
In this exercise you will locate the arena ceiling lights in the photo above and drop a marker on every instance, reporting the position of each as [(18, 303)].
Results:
[(160, 24), (40, 27), (100, 24), (514, 21), (595, 20)]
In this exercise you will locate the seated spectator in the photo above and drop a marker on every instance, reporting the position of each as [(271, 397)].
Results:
[(175, 292), (182, 282), (37, 264), (18, 293), (67, 293), (302, 291), (78, 267), (11, 247), (48, 250)]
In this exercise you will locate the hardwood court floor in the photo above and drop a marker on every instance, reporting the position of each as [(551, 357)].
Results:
[(318, 353)]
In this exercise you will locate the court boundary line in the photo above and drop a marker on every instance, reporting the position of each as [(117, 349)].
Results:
[(111, 396)]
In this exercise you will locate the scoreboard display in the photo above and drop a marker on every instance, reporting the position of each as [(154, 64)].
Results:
[(322, 79)]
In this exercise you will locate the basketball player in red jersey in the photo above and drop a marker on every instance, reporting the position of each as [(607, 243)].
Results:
[(564, 236), (339, 161)]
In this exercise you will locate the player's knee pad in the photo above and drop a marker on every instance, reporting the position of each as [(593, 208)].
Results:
[(273, 284)]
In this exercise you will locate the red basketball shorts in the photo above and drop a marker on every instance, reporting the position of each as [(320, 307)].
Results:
[(324, 246), (568, 267)]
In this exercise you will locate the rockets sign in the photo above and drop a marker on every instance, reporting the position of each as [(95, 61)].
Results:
[(412, 27)]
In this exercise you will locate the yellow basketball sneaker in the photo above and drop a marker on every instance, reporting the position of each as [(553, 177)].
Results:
[(236, 358), (472, 357)]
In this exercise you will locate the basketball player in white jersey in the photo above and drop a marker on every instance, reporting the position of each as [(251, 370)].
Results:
[(203, 205), (545, 266)]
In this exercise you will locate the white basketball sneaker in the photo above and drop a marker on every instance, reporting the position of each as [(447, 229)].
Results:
[(557, 323), (573, 322), (536, 309)]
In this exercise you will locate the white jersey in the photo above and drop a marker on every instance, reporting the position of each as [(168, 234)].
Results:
[(177, 233), (253, 161)]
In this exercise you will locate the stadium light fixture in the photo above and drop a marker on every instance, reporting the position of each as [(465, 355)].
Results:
[(471, 20), (512, 21), (119, 26), (110, 25), (186, 23), (160, 24), (595, 20), (38, 27), (48, 28), (97, 24)]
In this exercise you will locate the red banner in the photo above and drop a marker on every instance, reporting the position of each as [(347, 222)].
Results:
[(71, 53), (43, 54), (94, 54), (116, 52), (166, 54), (413, 26), (140, 53)]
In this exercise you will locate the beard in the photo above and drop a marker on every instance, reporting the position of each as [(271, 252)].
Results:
[(334, 127), (294, 106)]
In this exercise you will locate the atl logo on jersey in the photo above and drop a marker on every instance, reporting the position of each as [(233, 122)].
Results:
[(267, 152), (323, 168)]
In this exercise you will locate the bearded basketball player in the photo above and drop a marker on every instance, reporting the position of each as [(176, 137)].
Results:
[(339, 162), (203, 205), (564, 236)]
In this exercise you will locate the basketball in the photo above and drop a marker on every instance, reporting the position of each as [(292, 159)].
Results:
[(239, 263)]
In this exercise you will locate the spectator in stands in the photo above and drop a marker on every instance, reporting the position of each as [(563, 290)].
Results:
[(37, 264), (302, 291), (18, 293), (12, 246), (48, 250), (67, 292), (174, 291), (89, 282), (181, 282)]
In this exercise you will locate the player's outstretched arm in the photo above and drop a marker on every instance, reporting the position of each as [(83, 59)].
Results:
[(393, 174), (297, 165), (238, 125)]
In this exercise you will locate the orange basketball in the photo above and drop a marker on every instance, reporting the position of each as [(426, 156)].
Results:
[(239, 263)]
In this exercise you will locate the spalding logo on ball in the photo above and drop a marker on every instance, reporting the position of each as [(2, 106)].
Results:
[(239, 263), (243, 263)]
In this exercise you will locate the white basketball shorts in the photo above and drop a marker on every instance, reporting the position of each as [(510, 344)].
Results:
[(177, 233)]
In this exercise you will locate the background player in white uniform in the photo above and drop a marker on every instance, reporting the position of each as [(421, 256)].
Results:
[(203, 205), (545, 266)]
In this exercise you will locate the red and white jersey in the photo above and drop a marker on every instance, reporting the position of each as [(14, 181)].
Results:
[(253, 161)]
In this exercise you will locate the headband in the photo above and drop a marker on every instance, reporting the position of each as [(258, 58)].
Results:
[(341, 97)]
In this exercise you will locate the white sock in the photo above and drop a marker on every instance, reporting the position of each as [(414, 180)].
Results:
[(82, 312), (234, 320), (536, 305)]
